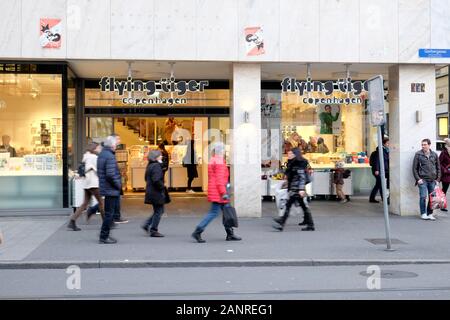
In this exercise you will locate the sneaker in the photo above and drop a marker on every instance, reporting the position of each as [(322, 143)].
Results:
[(121, 220), (190, 191), (424, 217), (431, 217), (444, 209)]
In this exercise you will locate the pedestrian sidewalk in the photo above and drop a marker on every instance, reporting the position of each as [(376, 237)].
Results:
[(339, 239)]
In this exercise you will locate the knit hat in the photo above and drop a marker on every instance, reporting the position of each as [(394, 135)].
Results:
[(153, 155)]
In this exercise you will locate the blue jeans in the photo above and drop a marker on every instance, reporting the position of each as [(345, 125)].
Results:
[(153, 221), (216, 208), (111, 207), (425, 189)]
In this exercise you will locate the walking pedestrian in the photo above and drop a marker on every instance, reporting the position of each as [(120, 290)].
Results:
[(190, 163), (217, 192), (297, 177), (426, 171), (444, 161), (90, 185), (155, 192), (374, 162), (110, 183)]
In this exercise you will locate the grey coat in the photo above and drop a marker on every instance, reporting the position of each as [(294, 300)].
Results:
[(426, 168)]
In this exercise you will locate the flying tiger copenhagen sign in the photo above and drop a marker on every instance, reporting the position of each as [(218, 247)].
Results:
[(356, 88), (150, 88)]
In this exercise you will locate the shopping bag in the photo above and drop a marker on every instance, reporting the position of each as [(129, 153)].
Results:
[(281, 198), (438, 200), (230, 219)]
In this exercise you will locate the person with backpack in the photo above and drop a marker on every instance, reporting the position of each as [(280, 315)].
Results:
[(427, 172), (339, 175), (298, 177), (374, 162), (88, 172)]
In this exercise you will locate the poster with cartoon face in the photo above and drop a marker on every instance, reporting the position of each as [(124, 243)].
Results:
[(330, 121), (50, 33), (254, 41)]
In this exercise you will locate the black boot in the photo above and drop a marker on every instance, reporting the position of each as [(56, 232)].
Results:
[(309, 228), (197, 235), (303, 223), (280, 223), (72, 225), (231, 236)]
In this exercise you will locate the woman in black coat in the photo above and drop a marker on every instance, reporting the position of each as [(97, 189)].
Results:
[(155, 192)]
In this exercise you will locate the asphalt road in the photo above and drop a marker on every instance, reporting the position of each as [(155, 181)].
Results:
[(230, 283)]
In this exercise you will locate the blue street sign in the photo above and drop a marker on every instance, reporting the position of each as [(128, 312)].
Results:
[(434, 53)]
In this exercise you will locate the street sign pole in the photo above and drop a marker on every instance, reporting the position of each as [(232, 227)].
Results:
[(384, 190), (378, 118)]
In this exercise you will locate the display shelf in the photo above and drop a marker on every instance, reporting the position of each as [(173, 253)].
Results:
[(25, 173)]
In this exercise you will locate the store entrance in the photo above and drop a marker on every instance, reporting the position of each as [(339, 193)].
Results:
[(140, 134)]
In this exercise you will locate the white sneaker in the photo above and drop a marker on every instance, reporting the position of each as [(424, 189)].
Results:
[(425, 217), (190, 191), (431, 217)]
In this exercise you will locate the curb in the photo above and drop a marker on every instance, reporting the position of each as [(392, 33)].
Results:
[(205, 263)]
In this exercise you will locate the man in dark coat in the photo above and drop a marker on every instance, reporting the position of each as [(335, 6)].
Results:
[(155, 193), (297, 177), (375, 164), (110, 183)]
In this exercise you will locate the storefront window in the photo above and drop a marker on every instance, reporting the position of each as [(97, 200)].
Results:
[(326, 134), (32, 141)]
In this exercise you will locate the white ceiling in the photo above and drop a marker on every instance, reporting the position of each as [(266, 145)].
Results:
[(94, 69)]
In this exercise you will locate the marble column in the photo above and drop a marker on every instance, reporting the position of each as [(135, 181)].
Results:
[(246, 139), (412, 117)]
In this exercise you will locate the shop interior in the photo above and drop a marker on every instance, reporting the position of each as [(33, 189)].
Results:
[(348, 140), (31, 141), (140, 134)]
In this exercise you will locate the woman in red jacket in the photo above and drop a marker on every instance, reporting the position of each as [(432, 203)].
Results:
[(217, 192), (444, 161)]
